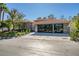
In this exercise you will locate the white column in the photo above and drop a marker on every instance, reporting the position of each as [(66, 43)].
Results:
[(36, 28), (53, 28)]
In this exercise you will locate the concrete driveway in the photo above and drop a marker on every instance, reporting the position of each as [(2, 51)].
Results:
[(48, 36), (26, 46)]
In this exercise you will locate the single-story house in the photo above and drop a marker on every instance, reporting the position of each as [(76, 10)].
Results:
[(51, 25)]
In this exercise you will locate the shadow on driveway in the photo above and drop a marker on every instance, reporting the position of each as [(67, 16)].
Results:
[(50, 34)]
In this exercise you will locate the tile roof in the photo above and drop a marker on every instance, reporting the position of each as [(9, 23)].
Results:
[(49, 21)]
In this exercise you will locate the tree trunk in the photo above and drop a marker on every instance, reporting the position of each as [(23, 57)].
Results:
[(0, 12), (2, 19), (0, 15), (8, 29), (19, 26)]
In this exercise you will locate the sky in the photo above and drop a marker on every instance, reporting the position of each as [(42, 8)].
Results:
[(35, 10)]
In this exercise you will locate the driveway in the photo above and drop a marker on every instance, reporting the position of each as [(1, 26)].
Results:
[(26, 46), (48, 36)]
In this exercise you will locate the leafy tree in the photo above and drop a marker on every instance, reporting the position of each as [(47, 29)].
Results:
[(51, 16), (70, 18), (3, 9), (62, 17), (17, 18), (75, 28), (39, 18), (9, 24), (13, 16), (20, 19)]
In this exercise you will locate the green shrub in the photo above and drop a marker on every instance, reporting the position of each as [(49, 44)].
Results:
[(26, 30), (74, 35), (8, 34), (11, 34), (20, 33)]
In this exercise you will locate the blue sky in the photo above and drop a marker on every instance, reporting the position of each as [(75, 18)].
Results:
[(35, 10)]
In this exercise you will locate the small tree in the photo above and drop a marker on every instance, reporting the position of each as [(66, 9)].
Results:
[(62, 17), (13, 16), (9, 24), (16, 18), (39, 18), (51, 16), (74, 28), (20, 19)]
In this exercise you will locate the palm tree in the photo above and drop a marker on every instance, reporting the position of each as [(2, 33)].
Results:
[(3, 9), (20, 18), (0, 12), (16, 16), (13, 15)]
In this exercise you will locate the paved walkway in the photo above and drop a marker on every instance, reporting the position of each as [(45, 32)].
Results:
[(23, 46)]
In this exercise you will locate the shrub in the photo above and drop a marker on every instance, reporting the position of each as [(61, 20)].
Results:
[(74, 25), (74, 35), (26, 30), (11, 34), (20, 33)]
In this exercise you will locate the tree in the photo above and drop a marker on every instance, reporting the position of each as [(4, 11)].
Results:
[(9, 24), (75, 27), (39, 18), (51, 16), (62, 17), (3, 9), (13, 15), (16, 17), (20, 18), (69, 18), (44, 17), (75, 23)]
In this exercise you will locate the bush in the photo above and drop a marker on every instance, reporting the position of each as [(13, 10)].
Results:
[(11, 34), (20, 33), (15, 33), (6, 35), (74, 35), (26, 30)]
